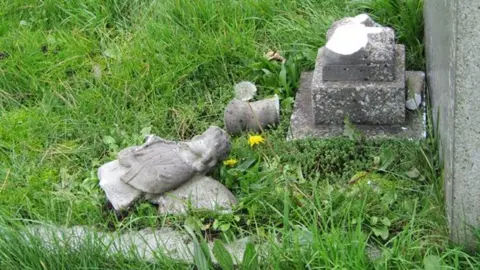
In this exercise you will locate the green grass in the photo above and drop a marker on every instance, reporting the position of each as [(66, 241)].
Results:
[(80, 80)]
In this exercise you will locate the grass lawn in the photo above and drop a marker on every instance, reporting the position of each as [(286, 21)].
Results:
[(80, 80)]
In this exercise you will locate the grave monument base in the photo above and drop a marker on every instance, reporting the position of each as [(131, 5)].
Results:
[(302, 124)]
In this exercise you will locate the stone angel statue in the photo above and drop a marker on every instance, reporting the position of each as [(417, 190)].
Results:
[(160, 165)]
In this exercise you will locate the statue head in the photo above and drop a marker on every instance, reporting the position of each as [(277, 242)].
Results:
[(210, 147)]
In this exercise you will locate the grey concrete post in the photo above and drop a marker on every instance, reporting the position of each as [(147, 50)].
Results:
[(452, 32)]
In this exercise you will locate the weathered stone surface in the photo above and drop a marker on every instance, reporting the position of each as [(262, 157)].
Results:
[(359, 53), (364, 72), (120, 194), (146, 244), (160, 165), (415, 89), (241, 116), (379, 48), (363, 102), (302, 124), (452, 35), (199, 193)]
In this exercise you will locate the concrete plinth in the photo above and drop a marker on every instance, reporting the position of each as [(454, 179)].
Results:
[(366, 102), (302, 124)]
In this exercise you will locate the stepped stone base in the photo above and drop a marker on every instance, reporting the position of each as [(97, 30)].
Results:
[(367, 102), (302, 125)]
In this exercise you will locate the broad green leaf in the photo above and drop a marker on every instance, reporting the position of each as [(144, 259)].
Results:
[(146, 131), (205, 249), (386, 222), (246, 164), (381, 231), (300, 177), (250, 258), (373, 220), (109, 140), (225, 227), (193, 223), (413, 173), (199, 258), (216, 224), (222, 255)]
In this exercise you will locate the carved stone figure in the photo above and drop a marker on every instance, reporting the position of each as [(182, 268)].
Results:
[(160, 165)]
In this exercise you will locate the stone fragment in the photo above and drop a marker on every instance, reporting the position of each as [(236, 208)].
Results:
[(254, 116), (199, 193), (415, 89), (146, 244), (120, 194), (365, 102), (245, 91)]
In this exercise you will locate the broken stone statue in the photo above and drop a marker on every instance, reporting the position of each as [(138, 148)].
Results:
[(169, 173), (241, 115), (360, 76)]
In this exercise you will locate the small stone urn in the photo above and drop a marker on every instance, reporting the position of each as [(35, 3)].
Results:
[(241, 115)]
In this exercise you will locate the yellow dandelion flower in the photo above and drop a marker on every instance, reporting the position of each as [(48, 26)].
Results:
[(230, 162), (255, 139)]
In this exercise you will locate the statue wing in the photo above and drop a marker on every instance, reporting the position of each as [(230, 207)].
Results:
[(154, 167)]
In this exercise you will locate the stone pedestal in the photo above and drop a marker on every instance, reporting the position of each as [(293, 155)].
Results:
[(363, 102), (360, 79), (302, 125)]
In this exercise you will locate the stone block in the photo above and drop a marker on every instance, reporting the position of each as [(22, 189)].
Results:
[(373, 62), (379, 49), (302, 125), (365, 102), (356, 52)]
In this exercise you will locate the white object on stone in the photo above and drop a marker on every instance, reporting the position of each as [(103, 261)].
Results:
[(350, 38), (365, 20), (201, 192), (413, 103), (415, 87), (160, 165), (362, 19), (245, 90)]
